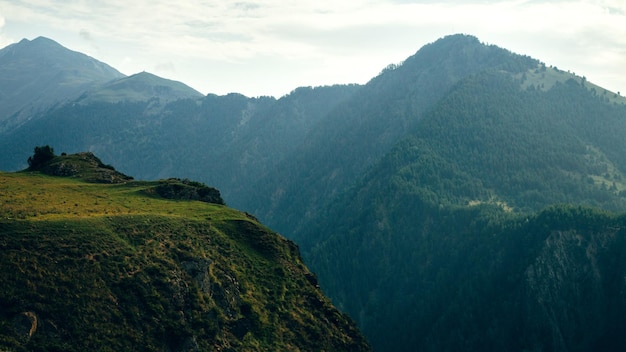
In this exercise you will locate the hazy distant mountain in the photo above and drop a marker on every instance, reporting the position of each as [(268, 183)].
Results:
[(37, 74), (139, 87)]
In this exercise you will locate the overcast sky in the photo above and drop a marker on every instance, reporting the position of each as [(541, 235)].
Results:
[(270, 47)]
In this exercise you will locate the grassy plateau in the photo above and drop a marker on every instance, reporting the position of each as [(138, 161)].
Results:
[(118, 267)]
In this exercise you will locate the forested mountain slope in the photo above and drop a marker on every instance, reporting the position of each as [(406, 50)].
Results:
[(423, 248), (115, 264), (422, 277), (361, 130)]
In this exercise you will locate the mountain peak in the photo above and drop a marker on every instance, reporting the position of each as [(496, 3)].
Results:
[(35, 74), (38, 48), (469, 47), (42, 40), (449, 59), (141, 86), (459, 38)]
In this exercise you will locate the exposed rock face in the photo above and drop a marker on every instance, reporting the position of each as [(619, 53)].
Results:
[(25, 325), (84, 165), (198, 269)]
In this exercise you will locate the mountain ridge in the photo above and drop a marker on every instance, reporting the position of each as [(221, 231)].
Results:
[(378, 116)]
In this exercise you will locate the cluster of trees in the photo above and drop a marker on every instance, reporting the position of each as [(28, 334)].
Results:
[(418, 276), (530, 148), (41, 156)]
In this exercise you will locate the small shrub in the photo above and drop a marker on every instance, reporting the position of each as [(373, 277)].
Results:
[(174, 188)]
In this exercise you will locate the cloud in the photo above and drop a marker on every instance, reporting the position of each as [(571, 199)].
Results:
[(4, 41), (167, 67), (83, 33)]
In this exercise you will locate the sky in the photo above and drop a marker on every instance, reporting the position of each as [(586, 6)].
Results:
[(271, 47)]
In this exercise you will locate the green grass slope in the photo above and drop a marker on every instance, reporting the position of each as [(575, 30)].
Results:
[(116, 267)]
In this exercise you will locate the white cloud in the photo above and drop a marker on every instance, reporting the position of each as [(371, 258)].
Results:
[(165, 67), (4, 41)]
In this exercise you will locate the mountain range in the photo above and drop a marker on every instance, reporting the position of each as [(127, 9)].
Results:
[(459, 200)]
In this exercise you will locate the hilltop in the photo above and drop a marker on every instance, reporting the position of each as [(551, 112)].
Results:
[(116, 266)]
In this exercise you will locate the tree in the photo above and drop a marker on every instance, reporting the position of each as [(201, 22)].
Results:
[(41, 156)]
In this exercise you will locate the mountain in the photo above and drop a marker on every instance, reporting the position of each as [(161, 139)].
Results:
[(36, 74), (352, 137), (139, 87), (479, 279), (93, 260), (436, 245)]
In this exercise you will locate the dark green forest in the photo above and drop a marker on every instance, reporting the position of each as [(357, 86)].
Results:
[(480, 279), (432, 248)]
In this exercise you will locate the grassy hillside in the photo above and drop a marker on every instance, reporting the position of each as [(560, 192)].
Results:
[(113, 267), (544, 78)]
